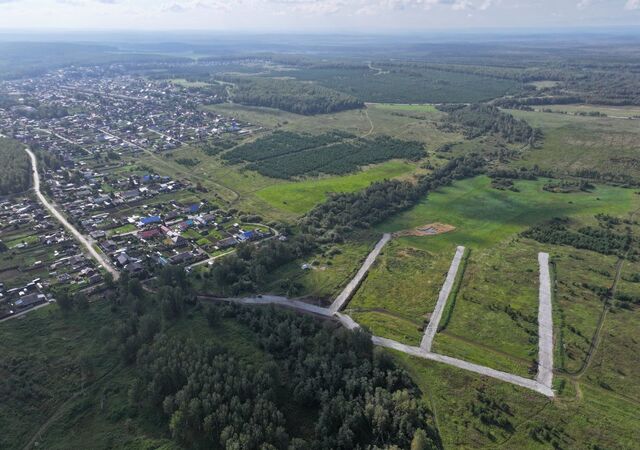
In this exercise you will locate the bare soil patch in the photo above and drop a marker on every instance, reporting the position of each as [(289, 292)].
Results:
[(430, 229)]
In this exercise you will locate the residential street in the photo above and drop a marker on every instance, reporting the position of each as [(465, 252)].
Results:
[(86, 243)]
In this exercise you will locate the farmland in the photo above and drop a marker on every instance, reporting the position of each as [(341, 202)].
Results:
[(281, 221)]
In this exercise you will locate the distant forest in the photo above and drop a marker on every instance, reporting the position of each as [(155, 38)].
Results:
[(15, 175), (291, 96)]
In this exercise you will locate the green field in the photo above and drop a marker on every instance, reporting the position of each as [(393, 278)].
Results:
[(575, 143), (299, 197), (401, 289), (500, 281)]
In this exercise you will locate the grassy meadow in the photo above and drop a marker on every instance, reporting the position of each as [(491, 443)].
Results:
[(500, 283)]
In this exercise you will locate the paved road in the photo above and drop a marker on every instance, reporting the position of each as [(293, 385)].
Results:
[(273, 300), (543, 386), (348, 291), (350, 324), (545, 324), (432, 328), (486, 371), (86, 243)]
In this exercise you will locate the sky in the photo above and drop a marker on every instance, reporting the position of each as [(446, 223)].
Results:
[(314, 15)]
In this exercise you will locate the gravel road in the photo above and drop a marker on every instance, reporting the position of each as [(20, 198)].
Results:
[(482, 370), (79, 236), (432, 327), (541, 385), (545, 324), (348, 291)]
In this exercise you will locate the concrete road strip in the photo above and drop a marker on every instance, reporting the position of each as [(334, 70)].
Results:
[(445, 292), (545, 324), (348, 291)]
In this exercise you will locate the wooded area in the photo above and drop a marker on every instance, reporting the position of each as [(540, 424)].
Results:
[(15, 175), (292, 96)]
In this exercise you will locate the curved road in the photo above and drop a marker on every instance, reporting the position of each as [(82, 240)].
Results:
[(543, 382), (86, 243), (351, 324)]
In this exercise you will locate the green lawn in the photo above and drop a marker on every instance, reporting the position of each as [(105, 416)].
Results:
[(484, 216), (300, 197)]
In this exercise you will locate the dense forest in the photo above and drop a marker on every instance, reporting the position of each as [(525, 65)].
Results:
[(15, 175), (397, 83), (353, 395), (478, 119), (288, 155), (248, 268), (291, 96)]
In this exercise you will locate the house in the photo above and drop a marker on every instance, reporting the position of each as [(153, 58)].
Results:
[(134, 267), (98, 234), (123, 259), (226, 243), (186, 225), (150, 234), (246, 236), (30, 300), (178, 241), (181, 258), (129, 195), (144, 221), (109, 246)]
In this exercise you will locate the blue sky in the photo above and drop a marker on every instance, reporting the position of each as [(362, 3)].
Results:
[(315, 15)]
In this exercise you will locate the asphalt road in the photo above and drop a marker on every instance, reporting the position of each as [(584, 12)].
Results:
[(84, 241), (432, 327)]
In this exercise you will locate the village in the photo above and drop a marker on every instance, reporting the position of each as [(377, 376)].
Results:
[(35, 255), (89, 130)]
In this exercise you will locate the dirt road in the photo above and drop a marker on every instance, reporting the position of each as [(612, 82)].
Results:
[(83, 240)]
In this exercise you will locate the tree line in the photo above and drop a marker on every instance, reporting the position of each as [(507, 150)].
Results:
[(15, 175), (332, 220), (599, 240), (480, 119)]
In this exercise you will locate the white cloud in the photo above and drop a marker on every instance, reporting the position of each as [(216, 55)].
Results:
[(632, 5)]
